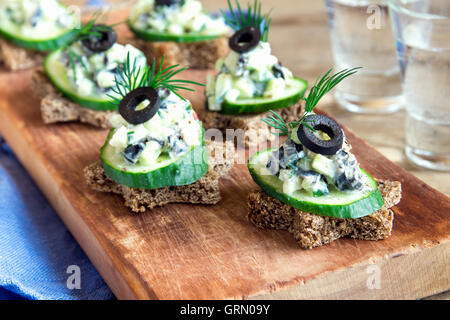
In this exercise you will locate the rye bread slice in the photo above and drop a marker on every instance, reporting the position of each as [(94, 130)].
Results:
[(311, 230), (16, 58), (204, 191), (196, 55), (56, 108), (255, 130)]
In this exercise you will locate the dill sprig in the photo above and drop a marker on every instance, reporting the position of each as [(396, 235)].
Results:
[(277, 122), (324, 85), (88, 30), (73, 58), (84, 32), (321, 87), (252, 18), (132, 76)]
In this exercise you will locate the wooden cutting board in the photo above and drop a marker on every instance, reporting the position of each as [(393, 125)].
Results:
[(212, 252)]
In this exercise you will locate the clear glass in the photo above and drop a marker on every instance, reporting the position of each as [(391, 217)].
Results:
[(361, 35), (422, 32)]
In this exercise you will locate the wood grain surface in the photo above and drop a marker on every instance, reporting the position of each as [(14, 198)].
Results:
[(212, 252), (199, 252)]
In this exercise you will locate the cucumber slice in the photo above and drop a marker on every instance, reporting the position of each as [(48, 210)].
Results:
[(57, 73), (50, 41), (184, 170), (337, 204), (165, 37), (40, 44), (293, 94)]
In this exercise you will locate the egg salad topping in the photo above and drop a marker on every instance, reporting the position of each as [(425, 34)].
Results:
[(36, 19), (173, 130), (301, 169), (93, 73), (253, 74), (182, 17)]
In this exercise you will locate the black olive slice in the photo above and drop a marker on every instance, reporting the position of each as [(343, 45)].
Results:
[(103, 39), (133, 151), (128, 105), (314, 143), (278, 71), (245, 39), (168, 2)]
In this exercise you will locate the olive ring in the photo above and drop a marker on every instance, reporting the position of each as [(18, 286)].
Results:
[(102, 39), (245, 39), (128, 105), (168, 2), (325, 124)]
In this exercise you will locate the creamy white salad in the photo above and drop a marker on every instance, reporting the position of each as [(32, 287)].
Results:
[(301, 169), (185, 17), (36, 19), (92, 74), (253, 74), (173, 130)]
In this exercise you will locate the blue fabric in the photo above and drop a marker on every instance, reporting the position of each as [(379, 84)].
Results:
[(35, 247), (94, 3)]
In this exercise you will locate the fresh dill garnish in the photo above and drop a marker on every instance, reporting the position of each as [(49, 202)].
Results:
[(324, 85), (72, 63), (132, 76), (321, 87), (82, 33), (92, 28), (252, 18), (74, 56)]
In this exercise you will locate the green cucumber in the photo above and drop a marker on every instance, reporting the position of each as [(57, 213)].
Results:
[(57, 73), (165, 37), (183, 170), (55, 39), (259, 105), (40, 44), (336, 204)]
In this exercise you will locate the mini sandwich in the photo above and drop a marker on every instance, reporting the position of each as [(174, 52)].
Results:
[(180, 31), (155, 153), (30, 28), (312, 185), (250, 80), (77, 80)]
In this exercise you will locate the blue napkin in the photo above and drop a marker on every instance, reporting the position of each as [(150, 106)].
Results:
[(36, 249), (94, 3)]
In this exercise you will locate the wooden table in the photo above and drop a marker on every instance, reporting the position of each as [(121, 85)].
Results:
[(299, 37)]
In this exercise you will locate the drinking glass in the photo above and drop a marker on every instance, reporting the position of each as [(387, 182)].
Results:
[(361, 36), (422, 33)]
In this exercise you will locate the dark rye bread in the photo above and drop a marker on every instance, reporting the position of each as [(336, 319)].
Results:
[(56, 108), (204, 191), (256, 131), (311, 230), (196, 55), (16, 58)]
